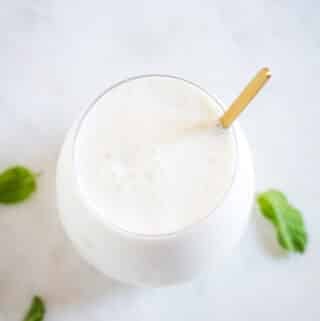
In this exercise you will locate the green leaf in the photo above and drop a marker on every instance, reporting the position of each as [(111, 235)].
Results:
[(17, 183), (287, 220), (36, 311)]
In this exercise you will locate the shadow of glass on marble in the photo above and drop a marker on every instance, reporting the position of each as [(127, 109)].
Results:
[(266, 235), (37, 258)]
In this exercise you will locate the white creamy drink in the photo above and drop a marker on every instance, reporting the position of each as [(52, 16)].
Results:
[(149, 157), (150, 190)]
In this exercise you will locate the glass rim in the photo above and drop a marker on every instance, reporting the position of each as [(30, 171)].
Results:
[(97, 213)]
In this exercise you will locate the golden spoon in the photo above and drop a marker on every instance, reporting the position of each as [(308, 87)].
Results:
[(248, 93)]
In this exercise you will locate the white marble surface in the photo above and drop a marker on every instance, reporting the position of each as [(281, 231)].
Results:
[(56, 56)]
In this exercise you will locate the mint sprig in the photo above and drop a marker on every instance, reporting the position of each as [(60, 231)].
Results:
[(36, 310), (17, 183), (287, 220)]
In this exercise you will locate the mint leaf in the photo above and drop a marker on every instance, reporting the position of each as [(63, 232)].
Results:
[(36, 311), (287, 220), (17, 183)]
